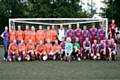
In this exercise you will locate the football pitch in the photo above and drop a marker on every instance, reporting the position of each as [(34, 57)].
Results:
[(60, 70)]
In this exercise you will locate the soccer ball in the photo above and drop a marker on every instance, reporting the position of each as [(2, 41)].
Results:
[(28, 58), (45, 58), (19, 58), (94, 57), (79, 59), (10, 60)]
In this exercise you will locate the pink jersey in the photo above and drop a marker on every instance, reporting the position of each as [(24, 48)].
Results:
[(85, 34), (70, 33), (101, 34)]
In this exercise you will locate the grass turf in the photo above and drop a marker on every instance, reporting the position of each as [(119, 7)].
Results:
[(50, 70)]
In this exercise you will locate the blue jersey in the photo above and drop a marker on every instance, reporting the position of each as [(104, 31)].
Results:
[(69, 47)]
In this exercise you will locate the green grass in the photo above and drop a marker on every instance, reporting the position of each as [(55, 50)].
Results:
[(50, 70)]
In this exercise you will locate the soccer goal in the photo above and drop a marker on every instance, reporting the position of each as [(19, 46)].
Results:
[(58, 21)]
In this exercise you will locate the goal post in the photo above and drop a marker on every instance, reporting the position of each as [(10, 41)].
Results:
[(58, 21)]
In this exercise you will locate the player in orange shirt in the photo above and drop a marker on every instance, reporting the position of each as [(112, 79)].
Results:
[(33, 34), (48, 48), (48, 34), (40, 50), (19, 35), (21, 51), (12, 51), (56, 50), (40, 35), (30, 47), (12, 34), (54, 34), (27, 34)]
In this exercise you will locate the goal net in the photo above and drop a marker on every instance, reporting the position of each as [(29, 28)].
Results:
[(59, 21)]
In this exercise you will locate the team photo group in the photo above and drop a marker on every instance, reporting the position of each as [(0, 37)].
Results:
[(59, 44)]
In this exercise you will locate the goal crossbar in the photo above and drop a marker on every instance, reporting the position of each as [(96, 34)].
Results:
[(77, 21)]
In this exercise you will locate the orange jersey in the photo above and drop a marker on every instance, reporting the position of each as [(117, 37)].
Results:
[(19, 35), (56, 48), (48, 48), (54, 34), (40, 48), (48, 35), (21, 47), (33, 36), (26, 36), (30, 46), (12, 35), (12, 48), (40, 36)]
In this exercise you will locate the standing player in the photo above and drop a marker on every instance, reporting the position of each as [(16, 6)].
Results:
[(78, 34), (56, 50), (112, 29), (5, 36), (93, 33), (40, 50), (54, 34), (12, 51), (48, 35), (21, 51), (95, 51), (62, 45), (12, 34), (68, 49), (61, 33), (40, 35), (86, 49), (112, 50), (30, 47), (70, 33), (27, 34), (101, 33), (19, 35), (107, 44), (33, 34)]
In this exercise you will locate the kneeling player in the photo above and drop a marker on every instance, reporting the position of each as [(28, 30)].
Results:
[(21, 51), (102, 49), (62, 45), (68, 49), (49, 49), (86, 49), (112, 50), (12, 51), (30, 50), (76, 50), (56, 50), (95, 51), (40, 50)]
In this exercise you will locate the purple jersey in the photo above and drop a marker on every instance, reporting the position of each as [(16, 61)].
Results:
[(102, 46), (93, 32), (62, 45), (5, 35), (70, 33), (112, 46), (101, 34), (94, 47), (85, 33), (86, 44), (78, 33)]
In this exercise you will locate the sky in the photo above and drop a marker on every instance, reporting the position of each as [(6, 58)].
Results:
[(98, 4)]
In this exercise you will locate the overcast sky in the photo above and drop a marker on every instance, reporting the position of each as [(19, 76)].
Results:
[(98, 5)]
